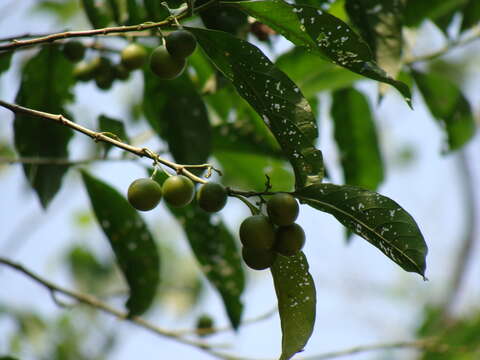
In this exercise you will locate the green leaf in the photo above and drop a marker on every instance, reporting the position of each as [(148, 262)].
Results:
[(115, 10), (449, 107), (216, 251), (95, 15), (376, 218), (356, 137), (296, 302), (133, 10), (155, 10), (34, 137), (380, 24), (417, 11), (131, 241), (312, 73), (5, 59), (112, 127), (178, 114), (471, 14), (273, 95), (224, 18), (319, 31)]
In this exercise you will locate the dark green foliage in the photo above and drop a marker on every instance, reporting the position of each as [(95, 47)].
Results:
[(74, 50), (113, 128), (131, 241), (376, 218), (273, 95), (297, 301), (448, 106), (96, 15), (5, 59), (356, 137), (50, 71)]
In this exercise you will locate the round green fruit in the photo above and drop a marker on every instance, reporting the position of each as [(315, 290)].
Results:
[(289, 240), (83, 71), (144, 194), (133, 56), (212, 197), (282, 209), (164, 65), (258, 259), (178, 190), (74, 51), (204, 325), (121, 73), (181, 43), (257, 233)]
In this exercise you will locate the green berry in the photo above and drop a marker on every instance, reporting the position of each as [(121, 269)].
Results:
[(133, 56), (178, 190), (181, 43), (204, 325), (144, 194), (164, 65), (257, 233), (258, 259), (74, 51), (289, 240), (212, 197), (121, 73), (282, 209), (83, 71)]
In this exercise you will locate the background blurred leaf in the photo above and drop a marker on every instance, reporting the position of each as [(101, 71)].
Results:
[(112, 126), (297, 302), (448, 106), (273, 95), (49, 72), (319, 31), (376, 218), (5, 59), (471, 14), (417, 11), (131, 241), (95, 14), (356, 137)]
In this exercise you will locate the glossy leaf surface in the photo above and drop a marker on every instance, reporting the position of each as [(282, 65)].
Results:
[(273, 95), (297, 301), (376, 218), (131, 241)]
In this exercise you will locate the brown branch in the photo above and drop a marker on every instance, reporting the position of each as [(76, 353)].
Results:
[(97, 304), (54, 161), (98, 136)]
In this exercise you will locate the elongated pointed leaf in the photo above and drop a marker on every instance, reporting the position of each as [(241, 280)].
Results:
[(131, 241), (322, 32), (112, 127), (471, 14), (273, 95), (376, 218), (356, 137), (297, 301), (5, 59), (215, 249), (46, 86), (449, 107), (95, 15)]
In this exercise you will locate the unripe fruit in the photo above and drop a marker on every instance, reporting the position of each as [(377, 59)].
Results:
[(204, 325), (282, 209), (133, 56), (181, 43), (212, 197), (257, 233), (83, 71), (121, 73), (74, 51), (164, 65), (178, 190), (258, 259), (289, 239), (144, 194)]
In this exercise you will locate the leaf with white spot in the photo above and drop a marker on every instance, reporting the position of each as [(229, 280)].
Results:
[(216, 251), (319, 31), (376, 218), (297, 301), (273, 96), (131, 241)]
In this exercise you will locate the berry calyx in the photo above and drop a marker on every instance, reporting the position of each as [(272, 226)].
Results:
[(144, 194), (212, 197), (133, 56), (257, 233), (258, 259), (178, 190), (181, 43), (282, 209), (164, 65), (289, 240)]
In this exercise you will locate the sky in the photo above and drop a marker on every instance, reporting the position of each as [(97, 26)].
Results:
[(362, 297)]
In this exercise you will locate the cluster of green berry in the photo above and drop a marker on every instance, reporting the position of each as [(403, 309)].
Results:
[(166, 61), (144, 194), (264, 237)]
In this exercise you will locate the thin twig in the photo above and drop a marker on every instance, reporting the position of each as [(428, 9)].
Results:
[(15, 43), (98, 136), (54, 161), (97, 304)]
